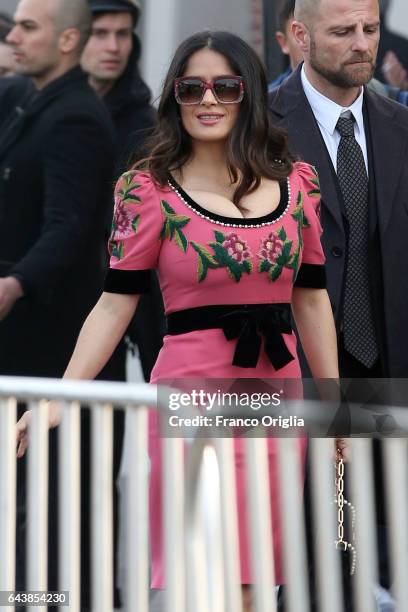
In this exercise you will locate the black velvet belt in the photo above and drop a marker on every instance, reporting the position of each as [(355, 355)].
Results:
[(246, 323)]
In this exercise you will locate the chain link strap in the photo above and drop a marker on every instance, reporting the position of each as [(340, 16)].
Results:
[(341, 502)]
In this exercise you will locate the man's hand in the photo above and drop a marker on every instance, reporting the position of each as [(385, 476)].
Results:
[(23, 426), (10, 291)]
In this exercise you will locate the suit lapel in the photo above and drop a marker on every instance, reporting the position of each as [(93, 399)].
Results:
[(389, 148), (291, 104)]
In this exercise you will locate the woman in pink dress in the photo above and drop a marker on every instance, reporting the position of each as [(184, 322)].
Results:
[(231, 224)]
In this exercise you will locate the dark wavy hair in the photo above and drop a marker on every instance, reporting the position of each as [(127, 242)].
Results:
[(255, 148)]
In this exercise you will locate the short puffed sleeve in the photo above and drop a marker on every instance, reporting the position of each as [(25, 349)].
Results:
[(134, 244), (312, 272)]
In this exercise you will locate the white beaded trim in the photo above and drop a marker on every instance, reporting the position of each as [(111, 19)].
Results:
[(234, 224)]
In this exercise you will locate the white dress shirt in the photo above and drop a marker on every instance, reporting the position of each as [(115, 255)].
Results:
[(327, 113)]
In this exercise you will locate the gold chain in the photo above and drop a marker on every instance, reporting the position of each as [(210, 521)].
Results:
[(341, 501)]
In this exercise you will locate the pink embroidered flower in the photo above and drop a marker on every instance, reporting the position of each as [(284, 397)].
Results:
[(122, 222), (236, 247), (271, 248)]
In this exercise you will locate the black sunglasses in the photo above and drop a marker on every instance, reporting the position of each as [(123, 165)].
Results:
[(226, 89)]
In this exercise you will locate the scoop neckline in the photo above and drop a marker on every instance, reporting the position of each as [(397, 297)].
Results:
[(272, 217)]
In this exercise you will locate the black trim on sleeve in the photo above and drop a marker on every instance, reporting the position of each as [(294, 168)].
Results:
[(311, 276), (127, 281)]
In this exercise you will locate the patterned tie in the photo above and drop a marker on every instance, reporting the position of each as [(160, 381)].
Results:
[(358, 319)]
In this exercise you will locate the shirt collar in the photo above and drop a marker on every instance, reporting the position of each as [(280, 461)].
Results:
[(326, 111)]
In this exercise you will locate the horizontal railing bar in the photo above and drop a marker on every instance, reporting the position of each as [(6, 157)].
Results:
[(30, 389)]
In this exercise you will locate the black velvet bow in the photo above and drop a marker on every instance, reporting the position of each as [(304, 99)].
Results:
[(249, 326)]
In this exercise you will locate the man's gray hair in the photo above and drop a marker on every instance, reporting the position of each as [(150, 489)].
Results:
[(73, 14)]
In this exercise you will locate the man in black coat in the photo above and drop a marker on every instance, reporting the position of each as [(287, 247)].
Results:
[(57, 147), (339, 42), (111, 59), (56, 157)]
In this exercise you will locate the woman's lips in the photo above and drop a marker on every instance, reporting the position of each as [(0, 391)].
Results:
[(209, 118)]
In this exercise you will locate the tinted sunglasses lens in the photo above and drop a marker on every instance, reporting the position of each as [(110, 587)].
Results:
[(227, 89), (190, 91)]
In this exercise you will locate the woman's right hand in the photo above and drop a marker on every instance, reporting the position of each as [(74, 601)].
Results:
[(23, 426)]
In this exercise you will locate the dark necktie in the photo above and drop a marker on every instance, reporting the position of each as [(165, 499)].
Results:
[(358, 320)]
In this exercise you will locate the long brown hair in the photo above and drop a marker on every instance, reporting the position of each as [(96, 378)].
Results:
[(255, 148)]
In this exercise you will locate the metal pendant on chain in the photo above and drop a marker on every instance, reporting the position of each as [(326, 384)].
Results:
[(340, 501)]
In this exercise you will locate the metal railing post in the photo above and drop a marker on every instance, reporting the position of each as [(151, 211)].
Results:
[(295, 559), (136, 596), (8, 474), (330, 596), (258, 491), (362, 497), (396, 479), (173, 509), (37, 506), (225, 452), (69, 442), (102, 507)]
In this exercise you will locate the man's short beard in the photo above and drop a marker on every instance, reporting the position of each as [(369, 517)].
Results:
[(341, 77)]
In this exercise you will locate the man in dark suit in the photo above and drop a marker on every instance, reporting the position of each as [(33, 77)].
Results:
[(339, 43), (364, 209), (56, 166)]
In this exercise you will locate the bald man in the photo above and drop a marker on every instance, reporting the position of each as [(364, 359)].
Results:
[(56, 166), (358, 142)]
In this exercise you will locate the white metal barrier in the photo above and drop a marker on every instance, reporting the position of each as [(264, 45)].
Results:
[(200, 520)]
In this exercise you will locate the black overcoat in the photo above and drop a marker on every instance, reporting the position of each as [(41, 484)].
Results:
[(56, 166)]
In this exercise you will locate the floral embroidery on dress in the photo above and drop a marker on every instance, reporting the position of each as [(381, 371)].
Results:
[(125, 222), (315, 192), (230, 252), (275, 254), (172, 226)]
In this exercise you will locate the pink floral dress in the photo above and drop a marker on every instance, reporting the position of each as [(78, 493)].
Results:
[(208, 263)]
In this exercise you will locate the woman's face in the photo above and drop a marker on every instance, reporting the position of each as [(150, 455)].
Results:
[(209, 121)]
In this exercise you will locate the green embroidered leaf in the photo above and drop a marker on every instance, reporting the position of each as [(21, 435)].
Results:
[(205, 261), (299, 200), (128, 176), (179, 220), (165, 233), (275, 272), (167, 209), (314, 193), (282, 234), (201, 270), (286, 249), (284, 257), (118, 249), (247, 266), (235, 272), (305, 222), (221, 254), (294, 265), (297, 214), (219, 236), (264, 266), (129, 198), (135, 223), (205, 254), (180, 240)]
